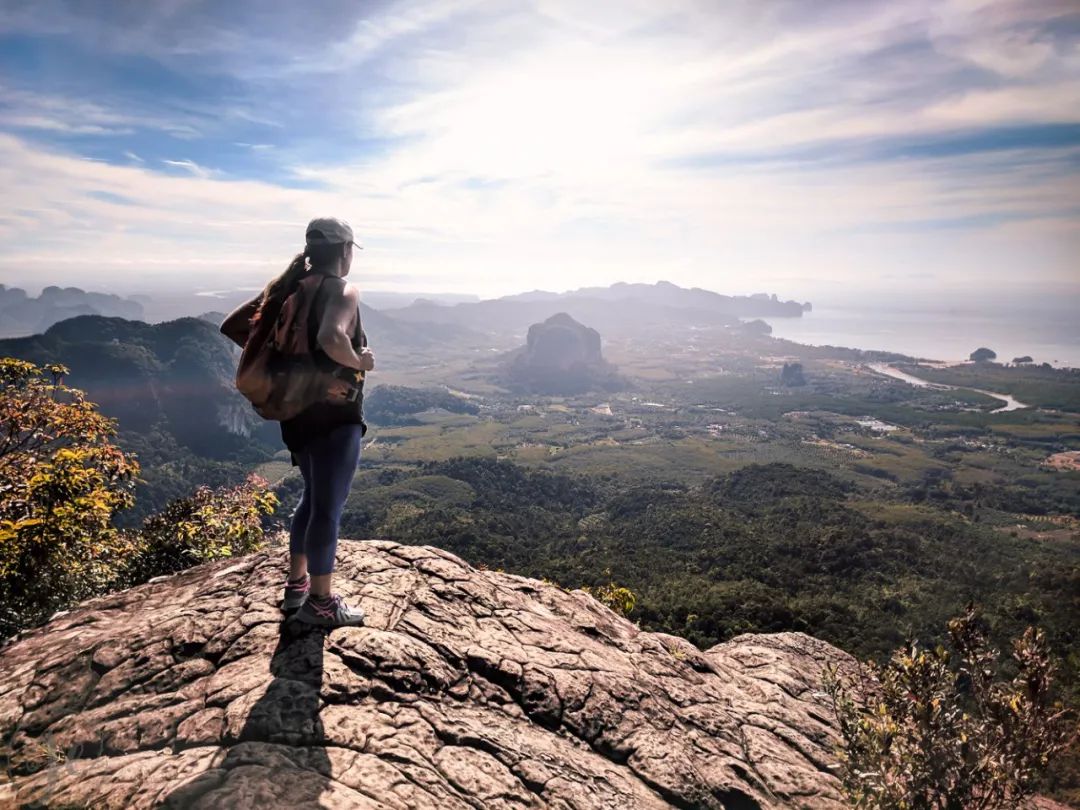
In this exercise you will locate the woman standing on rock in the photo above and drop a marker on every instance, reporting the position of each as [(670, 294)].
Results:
[(324, 439)]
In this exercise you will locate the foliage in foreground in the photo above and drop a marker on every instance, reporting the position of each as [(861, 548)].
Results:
[(944, 733), (614, 597), (209, 525), (62, 481)]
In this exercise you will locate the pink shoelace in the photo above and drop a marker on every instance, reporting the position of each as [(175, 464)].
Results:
[(303, 586), (327, 611)]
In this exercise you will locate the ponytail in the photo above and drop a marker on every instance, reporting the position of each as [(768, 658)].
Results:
[(313, 257), (279, 287)]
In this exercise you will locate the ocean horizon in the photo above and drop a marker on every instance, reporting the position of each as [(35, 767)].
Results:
[(1047, 334)]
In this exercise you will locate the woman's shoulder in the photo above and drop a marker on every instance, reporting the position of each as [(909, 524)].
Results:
[(337, 286)]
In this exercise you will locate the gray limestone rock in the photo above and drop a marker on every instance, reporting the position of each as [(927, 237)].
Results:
[(467, 689)]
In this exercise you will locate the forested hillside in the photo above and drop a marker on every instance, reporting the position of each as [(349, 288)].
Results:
[(765, 548), (170, 388)]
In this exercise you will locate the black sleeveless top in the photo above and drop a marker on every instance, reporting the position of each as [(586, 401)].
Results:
[(323, 417)]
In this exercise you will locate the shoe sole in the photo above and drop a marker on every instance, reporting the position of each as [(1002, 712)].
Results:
[(296, 618)]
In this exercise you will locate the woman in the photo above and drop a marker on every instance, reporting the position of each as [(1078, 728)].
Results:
[(324, 439)]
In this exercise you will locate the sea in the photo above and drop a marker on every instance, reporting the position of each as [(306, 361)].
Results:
[(1047, 333)]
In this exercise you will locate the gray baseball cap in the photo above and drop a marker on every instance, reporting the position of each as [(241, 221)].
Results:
[(329, 231)]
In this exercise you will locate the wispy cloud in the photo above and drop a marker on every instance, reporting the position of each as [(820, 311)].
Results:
[(191, 166), (38, 109), (509, 146)]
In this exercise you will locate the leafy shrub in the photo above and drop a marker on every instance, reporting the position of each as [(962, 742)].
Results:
[(945, 734), (614, 597), (61, 480), (208, 525)]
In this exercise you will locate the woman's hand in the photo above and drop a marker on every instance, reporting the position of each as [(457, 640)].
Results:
[(367, 359)]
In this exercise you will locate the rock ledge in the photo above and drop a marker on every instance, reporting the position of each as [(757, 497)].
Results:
[(468, 689)]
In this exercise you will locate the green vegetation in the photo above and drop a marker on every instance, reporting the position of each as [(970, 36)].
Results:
[(62, 481), (941, 733), (1044, 386), (764, 547), (619, 599), (398, 405), (715, 496)]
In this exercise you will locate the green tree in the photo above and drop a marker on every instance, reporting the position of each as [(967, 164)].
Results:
[(982, 355), (208, 525), (61, 481)]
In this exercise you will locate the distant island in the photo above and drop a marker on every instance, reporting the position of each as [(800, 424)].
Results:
[(620, 310)]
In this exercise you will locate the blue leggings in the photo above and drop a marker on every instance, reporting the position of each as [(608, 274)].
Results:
[(327, 464)]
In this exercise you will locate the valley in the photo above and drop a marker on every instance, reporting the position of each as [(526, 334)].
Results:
[(733, 481)]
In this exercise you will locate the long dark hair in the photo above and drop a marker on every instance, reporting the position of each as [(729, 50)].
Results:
[(312, 258)]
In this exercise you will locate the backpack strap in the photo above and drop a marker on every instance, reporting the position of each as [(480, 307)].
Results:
[(321, 357), (313, 322)]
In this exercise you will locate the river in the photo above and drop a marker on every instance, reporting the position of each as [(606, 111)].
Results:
[(1011, 403)]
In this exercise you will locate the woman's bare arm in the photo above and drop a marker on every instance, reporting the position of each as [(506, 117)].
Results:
[(237, 323), (336, 327)]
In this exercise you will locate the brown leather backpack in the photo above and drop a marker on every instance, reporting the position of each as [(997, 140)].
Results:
[(278, 372)]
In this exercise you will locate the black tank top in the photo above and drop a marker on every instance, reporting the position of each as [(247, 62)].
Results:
[(323, 417)]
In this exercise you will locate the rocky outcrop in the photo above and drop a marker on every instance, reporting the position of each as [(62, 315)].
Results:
[(562, 356), (467, 689)]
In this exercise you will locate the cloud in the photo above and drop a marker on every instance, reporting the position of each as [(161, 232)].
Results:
[(508, 146), (25, 109), (191, 166)]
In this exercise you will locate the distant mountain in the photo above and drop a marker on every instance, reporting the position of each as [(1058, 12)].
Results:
[(174, 378), (621, 310), (399, 405), (21, 314), (500, 317), (381, 299), (534, 295), (672, 295), (178, 376), (389, 333), (561, 356)]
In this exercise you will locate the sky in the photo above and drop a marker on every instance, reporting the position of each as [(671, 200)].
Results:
[(809, 149)]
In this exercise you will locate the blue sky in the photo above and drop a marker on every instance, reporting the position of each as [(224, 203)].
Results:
[(807, 149)]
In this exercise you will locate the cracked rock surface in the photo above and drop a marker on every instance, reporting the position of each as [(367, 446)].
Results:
[(467, 689)]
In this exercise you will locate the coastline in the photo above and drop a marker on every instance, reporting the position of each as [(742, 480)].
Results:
[(939, 337), (1011, 402)]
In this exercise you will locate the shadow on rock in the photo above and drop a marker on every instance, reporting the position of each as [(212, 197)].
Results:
[(278, 758)]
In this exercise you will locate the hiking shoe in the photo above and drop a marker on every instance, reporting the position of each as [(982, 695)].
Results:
[(329, 612), (296, 593)]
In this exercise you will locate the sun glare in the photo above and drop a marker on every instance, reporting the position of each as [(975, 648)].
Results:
[(548, 115)]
